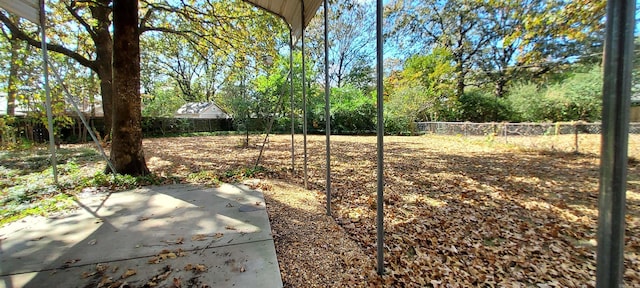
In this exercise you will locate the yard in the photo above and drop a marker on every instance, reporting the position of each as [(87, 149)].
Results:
[(459, 212)]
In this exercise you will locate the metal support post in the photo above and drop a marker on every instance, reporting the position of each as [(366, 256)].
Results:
[(304, 102), (293, 161), (618, 65), (327, 105), (47, 92), (380, 106)]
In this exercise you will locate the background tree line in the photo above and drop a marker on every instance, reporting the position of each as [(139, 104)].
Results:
[(454, 60)]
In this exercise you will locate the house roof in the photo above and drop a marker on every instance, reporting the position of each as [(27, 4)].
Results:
[(194, 107), (197, 107), (290, 11)]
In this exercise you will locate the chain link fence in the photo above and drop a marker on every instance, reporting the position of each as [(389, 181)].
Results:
[(561, 136)]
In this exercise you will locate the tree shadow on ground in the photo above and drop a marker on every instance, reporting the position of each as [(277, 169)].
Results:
[(164, 223), (493, 205)]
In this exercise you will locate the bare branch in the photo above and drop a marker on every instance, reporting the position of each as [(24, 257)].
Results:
[(71, 7)]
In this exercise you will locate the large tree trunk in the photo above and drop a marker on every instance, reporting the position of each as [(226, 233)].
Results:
[(104, 56), (127, 155), (12, 83)]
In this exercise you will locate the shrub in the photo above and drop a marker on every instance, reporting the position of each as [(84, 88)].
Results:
[(476, 106)]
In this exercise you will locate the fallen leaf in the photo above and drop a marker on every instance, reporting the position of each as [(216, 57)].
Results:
[(169, 255), (106, 280), (228, 227), (88, 274), (71, 261), (176, 242), (482, 216), (200, 268), (177, 283), (128, 273), (102, 267), (199, 237)]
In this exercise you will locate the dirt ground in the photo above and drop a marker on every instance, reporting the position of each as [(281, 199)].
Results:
[(459, 212)]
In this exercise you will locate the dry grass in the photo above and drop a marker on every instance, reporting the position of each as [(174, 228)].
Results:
[(458, 211)]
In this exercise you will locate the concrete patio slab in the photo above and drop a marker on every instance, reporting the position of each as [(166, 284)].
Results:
[(225, 230)]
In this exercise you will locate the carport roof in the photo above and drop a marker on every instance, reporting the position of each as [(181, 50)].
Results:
[(290, 11), (28, 9)]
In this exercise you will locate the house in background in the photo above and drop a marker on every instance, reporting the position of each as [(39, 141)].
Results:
[(90, 109), (20, 110), (202, 110)]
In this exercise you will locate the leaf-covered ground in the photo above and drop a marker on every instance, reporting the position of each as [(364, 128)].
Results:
[(459, 212)]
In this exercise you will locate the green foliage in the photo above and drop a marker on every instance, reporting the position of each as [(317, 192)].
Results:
[(423, 90), (584, 90), (12, 212), (7, 131), (351, 111), (34, 193), (161, 103), (362, 77), (236, 175), (500, 41), (27, 187), (477, 106), (578, 97), (204, 177), (397, 125), (434, 71), (115, 181)]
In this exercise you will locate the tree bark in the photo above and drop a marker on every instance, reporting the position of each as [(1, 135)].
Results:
[(127, 154), (104, 55), (500, 84), (459, 71), (12, 83)]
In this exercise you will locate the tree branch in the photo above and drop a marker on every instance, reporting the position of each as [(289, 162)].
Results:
[(70, 7), (16, 33)]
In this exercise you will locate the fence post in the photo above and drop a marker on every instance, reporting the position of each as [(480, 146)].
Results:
[(504, 132), (575, 130)]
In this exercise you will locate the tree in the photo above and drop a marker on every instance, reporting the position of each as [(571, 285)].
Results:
[(14, 65), (349, 44), (535, 37), (362, 76), (221, 24), (498, 41), (93, 17), (127, 155), (577, 97), (456, 25), (423, 90), (161, 102)]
